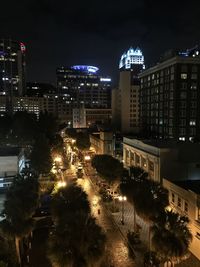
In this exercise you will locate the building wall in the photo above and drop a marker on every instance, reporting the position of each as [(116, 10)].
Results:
[(116, 109), (186, 203), (102, 143), (170, 99), (135, 157)]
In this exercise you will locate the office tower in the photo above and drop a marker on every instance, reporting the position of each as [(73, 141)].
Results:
[(125, 99), (170, 96), (40, 89), (12, 70), (12, 67), (82, 86)]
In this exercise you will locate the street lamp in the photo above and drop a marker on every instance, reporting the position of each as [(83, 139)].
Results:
[(58, 159), (61, 184), (122, 199)]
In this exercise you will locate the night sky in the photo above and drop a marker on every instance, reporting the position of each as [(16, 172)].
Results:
[(96, 32)]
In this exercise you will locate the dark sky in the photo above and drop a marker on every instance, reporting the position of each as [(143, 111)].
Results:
[(67, 32)]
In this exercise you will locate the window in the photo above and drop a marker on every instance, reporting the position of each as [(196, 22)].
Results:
[(183, 95), (198, 214), (186, 207), (179, 202), (183, 86), (198, 235), (151, 166), (194, 76), (183, 76), (173, 197), (194, 68), (193, 86), (192, 122)]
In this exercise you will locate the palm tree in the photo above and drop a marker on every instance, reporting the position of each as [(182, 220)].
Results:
[(129, 187), (148, 197), (76, 240), (171, 237), (19, 207)]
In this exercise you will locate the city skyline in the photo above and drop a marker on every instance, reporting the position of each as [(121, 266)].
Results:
[(64, 34)]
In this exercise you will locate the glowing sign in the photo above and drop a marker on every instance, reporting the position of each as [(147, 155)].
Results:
[(105, 79), (22, 47), (85, 68), (132, 56)]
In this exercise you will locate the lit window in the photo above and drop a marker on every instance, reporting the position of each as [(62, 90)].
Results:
[(192, 122), (183, 76)]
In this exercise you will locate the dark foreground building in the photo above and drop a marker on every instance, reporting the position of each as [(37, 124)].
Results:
[(170, 96)]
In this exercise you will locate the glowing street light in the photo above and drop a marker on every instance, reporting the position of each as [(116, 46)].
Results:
[(58, 159), (122, 199), (61, 184), (87, 157)]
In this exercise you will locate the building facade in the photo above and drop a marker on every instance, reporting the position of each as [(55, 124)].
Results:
[(12, 69), (12, 162), (184, 198), (170, 97), (81, 85), (163, 159), (125, 98), (102, 142)]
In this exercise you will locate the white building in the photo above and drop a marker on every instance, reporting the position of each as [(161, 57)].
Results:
[(12, 162), (184, 198)]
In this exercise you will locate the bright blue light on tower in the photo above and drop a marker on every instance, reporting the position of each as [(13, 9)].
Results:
[(85, 68)]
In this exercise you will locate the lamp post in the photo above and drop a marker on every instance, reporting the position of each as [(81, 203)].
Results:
[(122, 199)]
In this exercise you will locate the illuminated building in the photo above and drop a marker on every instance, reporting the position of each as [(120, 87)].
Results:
[(12, 67), (81, 85), (125, 99), (170, 97), (132, 58), (40, 89), (12, 70)]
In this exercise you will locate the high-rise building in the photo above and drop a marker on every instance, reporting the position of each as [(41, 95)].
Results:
[(12, 67), (125, 99), (82, 86), (12, 70), (40, 89), (170, 96)]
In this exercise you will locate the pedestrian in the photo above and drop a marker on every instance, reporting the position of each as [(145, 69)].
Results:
[(99, 211)]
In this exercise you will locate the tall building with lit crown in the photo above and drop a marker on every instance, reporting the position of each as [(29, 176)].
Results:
[(12, 69), (170, 96), (125, 99)]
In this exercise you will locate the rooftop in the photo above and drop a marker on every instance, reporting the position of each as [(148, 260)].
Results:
[(192, 185)]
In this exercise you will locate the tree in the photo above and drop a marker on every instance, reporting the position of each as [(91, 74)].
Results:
[(5, 128), (19, 207), (148, 197), (7, 252), (108, 167), (40, 157), (129, 187), (76, 240), (171, 236), (24, 127), (48, 124), (82, 141)]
